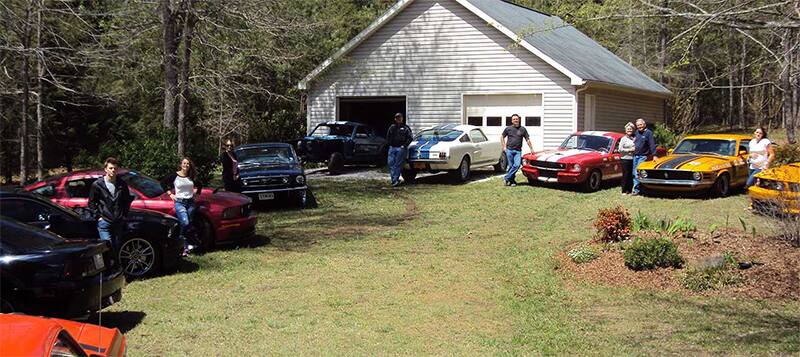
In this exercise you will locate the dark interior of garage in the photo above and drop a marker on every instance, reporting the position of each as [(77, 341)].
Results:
[(377, 112)]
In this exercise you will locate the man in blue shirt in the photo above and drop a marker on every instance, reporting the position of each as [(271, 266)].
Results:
[(645, 149)]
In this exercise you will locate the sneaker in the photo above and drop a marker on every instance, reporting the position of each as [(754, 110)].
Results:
[(506, 183), (396, 183), (513, 184), (634, 193)]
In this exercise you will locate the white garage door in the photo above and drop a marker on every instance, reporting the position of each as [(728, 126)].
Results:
[(493, 113)]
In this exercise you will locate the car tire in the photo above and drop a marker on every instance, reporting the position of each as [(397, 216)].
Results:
[(463, 171), (336, 163), (205, 233), (139, 257), (722, 186), (593, 182), (502, 164), (409, 175)]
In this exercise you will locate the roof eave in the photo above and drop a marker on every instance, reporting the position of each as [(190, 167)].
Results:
[(629, 89)]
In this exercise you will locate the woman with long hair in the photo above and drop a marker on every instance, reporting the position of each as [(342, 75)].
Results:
[(183, 187), (760, 154), (626, 150)]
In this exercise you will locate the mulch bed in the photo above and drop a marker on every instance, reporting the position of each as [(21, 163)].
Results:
[(776, 274)]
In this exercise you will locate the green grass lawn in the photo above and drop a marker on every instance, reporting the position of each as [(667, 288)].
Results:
[(438, 269)]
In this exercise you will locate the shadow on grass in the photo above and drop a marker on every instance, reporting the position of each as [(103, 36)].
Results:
[(444, 178), (736, 325), (255, 241), (123, 320)]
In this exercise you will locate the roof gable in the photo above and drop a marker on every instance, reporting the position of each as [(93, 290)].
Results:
[(548, 37)]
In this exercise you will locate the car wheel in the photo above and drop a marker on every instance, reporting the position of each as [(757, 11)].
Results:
[(502, 164), (409, 175), (205, 233), (722, 186), (462, 174), (336, 163), (139, 257), (593, 182)]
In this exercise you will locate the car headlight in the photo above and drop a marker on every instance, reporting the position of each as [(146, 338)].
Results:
[(300, 179), (230, 212), (642, 173), (576, 167), (285, 180), (697, 176)]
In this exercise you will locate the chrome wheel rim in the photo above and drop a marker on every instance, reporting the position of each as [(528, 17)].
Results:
[(594, 180), (464, 169), (137, 256)]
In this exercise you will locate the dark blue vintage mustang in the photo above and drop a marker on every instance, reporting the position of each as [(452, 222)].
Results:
[(270, 171), (342, 143)]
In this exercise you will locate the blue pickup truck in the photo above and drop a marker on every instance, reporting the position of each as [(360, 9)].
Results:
[(340, 143)]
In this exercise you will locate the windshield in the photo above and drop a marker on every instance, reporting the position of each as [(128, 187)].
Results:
[(20, 236), (266, 155), (706, 146), (147, 186), (332, 129), (438, 135), (588, 142)]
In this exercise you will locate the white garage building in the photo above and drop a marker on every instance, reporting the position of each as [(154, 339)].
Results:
[(478, 62)]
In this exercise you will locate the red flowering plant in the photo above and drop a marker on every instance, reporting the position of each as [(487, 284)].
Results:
[(612, 225)]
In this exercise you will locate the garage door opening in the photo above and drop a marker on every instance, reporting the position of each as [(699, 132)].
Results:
[(377, 112)]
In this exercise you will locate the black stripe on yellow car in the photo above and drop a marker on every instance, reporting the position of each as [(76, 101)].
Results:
[(674, 163)]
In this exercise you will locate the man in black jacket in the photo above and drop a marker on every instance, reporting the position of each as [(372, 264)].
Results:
[(398, 136), (110, 200), (230, 170)]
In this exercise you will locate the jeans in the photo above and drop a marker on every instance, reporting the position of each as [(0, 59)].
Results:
[(396, 159), (514, 161), (751, 180), (184, 210), (112, 232), (637, 159), (627, 175)]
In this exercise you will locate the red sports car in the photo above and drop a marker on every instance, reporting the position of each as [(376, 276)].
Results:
[(22, 335), (221, 216), (585, 158)]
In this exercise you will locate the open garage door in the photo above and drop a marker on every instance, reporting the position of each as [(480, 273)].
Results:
[(492, 112), (377, 112)]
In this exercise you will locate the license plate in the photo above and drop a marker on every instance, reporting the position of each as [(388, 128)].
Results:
[(419, 165), (98, 262), (266, 196)]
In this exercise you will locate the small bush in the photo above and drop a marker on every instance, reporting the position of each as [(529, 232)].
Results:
[(786, 154), (582, 254), (665, 136), (612, 224), (646, 254), (684, 226), (697, 279)]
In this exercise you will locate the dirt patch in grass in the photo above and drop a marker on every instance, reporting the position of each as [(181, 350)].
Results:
[(775, 272)]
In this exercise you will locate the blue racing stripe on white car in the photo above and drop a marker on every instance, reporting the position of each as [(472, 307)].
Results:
[(424, 148)]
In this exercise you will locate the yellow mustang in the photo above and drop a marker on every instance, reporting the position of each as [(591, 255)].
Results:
[(699, 162), (777, 188)]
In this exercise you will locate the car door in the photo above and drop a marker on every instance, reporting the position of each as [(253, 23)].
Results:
[(741, 167), (480, 151), (365, 147), (76, 191), (612, 166)]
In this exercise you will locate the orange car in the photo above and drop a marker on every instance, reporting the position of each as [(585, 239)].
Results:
[(23, 335)]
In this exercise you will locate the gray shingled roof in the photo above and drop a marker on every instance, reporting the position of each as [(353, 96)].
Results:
[(567, 46)]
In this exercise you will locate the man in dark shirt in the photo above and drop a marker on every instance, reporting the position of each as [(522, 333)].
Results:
[(645, 149), (398, 136), (230, 170), (110, 200), (511, 142)]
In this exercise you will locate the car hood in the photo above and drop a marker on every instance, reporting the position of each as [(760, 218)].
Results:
[(785, 173), (691, 162), (564, 155), (325, 137), (271, 170), (224, 199)]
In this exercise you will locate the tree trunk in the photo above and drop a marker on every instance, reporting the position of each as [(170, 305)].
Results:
[(170, 38), (731, 76), (743, 79), (662, 55), (39, 75), (788, 115), (183, 106), (25, 72)]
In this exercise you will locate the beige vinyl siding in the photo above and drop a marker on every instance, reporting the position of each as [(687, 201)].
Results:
[(615, 108), (432, 53)]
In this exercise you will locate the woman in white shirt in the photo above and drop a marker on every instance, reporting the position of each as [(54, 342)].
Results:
[(182, 188), (626, 149), (760, 154)]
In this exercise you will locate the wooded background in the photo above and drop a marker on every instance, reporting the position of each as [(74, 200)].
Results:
[(150, 81)]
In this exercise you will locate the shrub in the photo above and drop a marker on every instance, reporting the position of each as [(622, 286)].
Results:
[(646, 254), (612, 224), (582, 254), (664, 136), (684, 226), (699, 279), (641, 222), (786, 154)]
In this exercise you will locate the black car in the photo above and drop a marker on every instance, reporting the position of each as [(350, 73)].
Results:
[(271, 171), (342, 143), (150, 240), (43, 273)]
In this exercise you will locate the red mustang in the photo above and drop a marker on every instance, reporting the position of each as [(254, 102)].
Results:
[(222, 216), (22, 335), (586, 158)]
